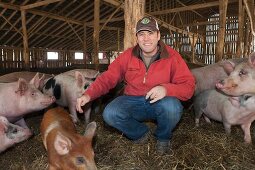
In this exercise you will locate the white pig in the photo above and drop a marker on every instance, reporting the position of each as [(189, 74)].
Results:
[(228, 110), (20, 98), (11, 134)]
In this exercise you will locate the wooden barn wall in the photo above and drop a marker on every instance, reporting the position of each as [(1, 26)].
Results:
[(13, 58), (205, 47)]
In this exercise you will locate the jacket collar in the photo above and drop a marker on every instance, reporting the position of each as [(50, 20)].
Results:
[(162, 50)]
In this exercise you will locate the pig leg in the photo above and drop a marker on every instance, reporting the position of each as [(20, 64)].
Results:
[(87, 115), (72, 110), (247, 134), (227, 128), (207, 119)]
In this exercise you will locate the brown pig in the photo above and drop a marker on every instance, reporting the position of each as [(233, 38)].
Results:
[(241, 80), (66, 148)]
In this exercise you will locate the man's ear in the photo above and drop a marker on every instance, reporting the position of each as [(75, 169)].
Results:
[(158, 35)]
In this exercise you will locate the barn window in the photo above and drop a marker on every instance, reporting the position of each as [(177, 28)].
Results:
[(52, 55), (78, 56), (100, 55)]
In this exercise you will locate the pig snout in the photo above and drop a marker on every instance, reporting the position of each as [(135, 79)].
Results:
[(49, 101)]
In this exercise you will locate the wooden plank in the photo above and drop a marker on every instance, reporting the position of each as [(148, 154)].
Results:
[(134, 10), (96, 33), (221, 31), (240, 38), (25, 40), (190, 7), (37, 4)]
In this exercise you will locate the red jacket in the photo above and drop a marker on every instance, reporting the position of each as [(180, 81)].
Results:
[(169, 71)]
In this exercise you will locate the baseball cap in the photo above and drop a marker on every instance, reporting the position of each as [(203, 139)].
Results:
[(147, 24)]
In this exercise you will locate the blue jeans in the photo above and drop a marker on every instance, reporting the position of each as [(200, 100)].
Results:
[(127, 114)]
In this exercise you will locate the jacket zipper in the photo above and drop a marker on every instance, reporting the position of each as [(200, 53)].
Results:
[(144, 78)]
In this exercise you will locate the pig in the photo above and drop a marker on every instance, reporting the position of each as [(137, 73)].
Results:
[(67, 88), (228, 110), (241, 79), (20, 98), (11, 134), (207, 76), (87, 73), (65, 147)]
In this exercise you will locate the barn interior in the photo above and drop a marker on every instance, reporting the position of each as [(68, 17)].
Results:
[(91, 33)]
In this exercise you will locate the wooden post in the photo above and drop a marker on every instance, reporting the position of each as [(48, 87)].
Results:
[(84, 45), (25, 40), (96, 33), (118, 37), (134, 10), (221, 32), (240, 43)]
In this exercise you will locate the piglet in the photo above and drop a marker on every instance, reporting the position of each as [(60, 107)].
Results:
[(67, 149), (228, 110), (11, 134), (67, 88)]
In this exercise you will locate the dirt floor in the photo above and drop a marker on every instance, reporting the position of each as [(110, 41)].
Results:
[(204, 147)]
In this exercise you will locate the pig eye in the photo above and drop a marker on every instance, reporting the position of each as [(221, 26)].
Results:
[(80, 160), (246, 97), (86, 86), (242, 72)]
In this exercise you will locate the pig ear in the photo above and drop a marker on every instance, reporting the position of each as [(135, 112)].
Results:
[(41, 81), (228, 66), (251, 59), (79, 78), (22, 86), (234, 101), (35, 80), (62, 144), (90, 130)]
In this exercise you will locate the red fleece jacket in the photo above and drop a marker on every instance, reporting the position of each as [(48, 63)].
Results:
[(170, 71)]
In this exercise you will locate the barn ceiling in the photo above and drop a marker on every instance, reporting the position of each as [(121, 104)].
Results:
[(59, 24)]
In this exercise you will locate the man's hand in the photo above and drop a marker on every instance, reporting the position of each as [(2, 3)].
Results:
[(81, 102), (156, 93)]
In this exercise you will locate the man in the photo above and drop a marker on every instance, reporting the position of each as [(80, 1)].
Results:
[(156, 78)]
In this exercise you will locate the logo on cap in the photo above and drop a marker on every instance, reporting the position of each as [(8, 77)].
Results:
[(146, 21)]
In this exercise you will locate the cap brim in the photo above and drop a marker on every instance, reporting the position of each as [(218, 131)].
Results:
[(146, 29)]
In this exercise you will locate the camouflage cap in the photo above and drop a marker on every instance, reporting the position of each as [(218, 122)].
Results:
[(147, 24)]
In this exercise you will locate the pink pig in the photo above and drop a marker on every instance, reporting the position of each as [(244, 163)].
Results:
[(228, 110), (11, 134), (20, 98)]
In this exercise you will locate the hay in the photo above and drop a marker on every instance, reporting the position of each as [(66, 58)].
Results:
[(204, 147)]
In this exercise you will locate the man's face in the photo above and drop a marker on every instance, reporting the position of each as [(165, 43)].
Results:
[(148, 41)]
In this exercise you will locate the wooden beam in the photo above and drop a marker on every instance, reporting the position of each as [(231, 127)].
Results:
[(41, 13), (240, 38), (134, 10), (221, 32), (191, 10), (85, 44), (249, 6), (75, 33), (37, 4), (190, 7), (110, 17), (25, 40), (12, 26), (96, 33)]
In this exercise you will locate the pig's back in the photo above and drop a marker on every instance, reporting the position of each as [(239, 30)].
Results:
[(58, 116)]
